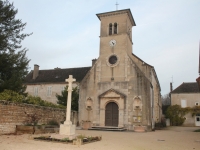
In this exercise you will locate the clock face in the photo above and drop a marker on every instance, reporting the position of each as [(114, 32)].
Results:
[(112, 43)]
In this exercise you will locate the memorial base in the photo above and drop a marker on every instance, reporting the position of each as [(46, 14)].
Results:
[(67, 129)]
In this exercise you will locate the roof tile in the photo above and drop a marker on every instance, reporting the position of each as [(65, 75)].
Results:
[(57, 75), (191, 87)]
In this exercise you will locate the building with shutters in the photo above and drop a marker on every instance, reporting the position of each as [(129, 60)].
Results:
[(47, 83), (187, 95)]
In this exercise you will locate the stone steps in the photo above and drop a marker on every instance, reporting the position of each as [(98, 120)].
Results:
[(107, 128)]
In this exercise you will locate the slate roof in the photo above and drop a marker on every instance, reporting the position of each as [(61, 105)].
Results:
[(57, 75), (191, 87)]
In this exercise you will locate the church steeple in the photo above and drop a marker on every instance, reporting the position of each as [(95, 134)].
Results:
[(116, 22), (116, 32)]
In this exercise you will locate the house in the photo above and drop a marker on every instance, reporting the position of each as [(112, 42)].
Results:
[(47, 83), (118, 90), (187, 95)]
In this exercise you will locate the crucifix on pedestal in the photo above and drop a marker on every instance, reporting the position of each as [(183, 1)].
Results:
[(69, 99), (67, 128)]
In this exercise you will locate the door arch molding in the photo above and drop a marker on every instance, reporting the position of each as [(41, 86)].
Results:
[(116, 97)]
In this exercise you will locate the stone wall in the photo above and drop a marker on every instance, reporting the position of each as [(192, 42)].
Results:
[(12, 114)]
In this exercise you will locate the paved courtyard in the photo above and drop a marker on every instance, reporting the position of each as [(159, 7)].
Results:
[(173, 138)]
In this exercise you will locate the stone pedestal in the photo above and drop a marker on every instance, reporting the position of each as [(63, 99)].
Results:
[(86, 125), (67, 129), (140, 128)]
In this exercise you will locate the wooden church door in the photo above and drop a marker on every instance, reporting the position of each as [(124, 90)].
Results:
[(111, 114)]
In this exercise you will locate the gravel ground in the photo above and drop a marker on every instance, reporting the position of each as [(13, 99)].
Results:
[(172, 138)]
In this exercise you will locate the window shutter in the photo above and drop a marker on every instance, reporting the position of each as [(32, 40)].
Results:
[(35, 91), (183, 103), (49, 91)]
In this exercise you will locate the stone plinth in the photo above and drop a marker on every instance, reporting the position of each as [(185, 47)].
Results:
[(86, 125), (140, 128), (67, 129)]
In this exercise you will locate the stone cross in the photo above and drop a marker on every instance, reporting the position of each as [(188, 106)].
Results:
[(116, 5), (69, 99)]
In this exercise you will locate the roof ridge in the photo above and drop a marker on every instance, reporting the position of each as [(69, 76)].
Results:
[(142, 60), (176, 87), (63, 68)]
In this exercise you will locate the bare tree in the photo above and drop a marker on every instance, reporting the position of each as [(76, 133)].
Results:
[(166, 102), (166, 99)]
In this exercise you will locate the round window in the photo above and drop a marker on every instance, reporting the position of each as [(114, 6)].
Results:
[(113, 59)]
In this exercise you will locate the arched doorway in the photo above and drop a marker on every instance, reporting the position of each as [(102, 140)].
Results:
[(111, 114)]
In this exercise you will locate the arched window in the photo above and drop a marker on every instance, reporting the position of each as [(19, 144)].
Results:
[(110, 29), (115, 28)]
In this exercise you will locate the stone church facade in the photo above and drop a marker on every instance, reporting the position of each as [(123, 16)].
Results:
[(120, 89)]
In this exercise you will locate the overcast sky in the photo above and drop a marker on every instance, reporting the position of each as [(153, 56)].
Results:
[(66, 34)]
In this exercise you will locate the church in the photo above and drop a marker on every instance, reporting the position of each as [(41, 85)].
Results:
[(119, 89)]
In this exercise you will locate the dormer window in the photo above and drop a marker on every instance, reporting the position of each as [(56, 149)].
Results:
[(115, 28), (110, 29)]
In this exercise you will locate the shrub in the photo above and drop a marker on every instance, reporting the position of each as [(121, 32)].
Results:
[(195, 110), (176, 114), (62, 99), (11, 96)]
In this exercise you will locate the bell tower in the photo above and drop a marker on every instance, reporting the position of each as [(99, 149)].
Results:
[(115, 42), (116, 25)]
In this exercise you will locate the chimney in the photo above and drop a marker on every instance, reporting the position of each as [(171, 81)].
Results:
[(93, 61), (171, 87), (36, 71)]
